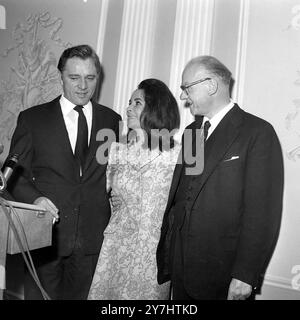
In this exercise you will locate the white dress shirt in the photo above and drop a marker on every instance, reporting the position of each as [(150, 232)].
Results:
[(216, 119), (71, 119)]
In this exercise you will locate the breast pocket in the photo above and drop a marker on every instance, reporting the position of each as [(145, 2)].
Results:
[(228, 179), (230, 162)]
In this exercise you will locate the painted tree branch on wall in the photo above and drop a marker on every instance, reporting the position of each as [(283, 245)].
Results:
[(34, 78)]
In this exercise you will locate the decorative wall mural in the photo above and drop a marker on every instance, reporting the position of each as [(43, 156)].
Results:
[(33, 78), (292, 120), (292, 124), (295, 22)]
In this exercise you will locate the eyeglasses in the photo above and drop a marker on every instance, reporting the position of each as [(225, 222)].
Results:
[(185, 87)]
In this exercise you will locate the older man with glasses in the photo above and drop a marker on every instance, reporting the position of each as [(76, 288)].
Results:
[(221, 225)]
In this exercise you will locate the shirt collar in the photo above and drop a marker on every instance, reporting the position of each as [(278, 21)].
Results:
[(67, 106), (216, 119)]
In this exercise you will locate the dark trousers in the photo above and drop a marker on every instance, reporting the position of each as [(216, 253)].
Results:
[(63, 278), (178, 291)]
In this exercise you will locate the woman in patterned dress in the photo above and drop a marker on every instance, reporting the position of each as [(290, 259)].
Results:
[(139, 174)]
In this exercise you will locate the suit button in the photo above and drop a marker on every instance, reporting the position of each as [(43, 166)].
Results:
[(188, 198)]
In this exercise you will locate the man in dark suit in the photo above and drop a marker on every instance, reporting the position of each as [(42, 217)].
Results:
[(57, 146), (221, 226)]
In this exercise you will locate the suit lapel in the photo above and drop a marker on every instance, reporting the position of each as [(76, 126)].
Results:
[(179, 166), (60, 137), (97, 124), (60, 133), (218, 144)]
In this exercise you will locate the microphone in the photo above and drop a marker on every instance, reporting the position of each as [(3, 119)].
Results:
[(9, 166)]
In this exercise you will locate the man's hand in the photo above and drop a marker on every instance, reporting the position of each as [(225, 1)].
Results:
[(239, 290), (49, 206), (116, 201)]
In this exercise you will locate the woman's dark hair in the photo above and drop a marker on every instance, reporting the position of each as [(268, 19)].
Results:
[(83, 52), (160, 112)]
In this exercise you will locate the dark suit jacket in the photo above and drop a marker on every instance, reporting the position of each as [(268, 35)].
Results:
[(233, 218), (47, 167)]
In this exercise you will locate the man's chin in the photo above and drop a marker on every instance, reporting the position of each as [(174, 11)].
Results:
[(82, 100), (192, 110)]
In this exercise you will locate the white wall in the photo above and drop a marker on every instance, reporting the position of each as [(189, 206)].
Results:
[(270, 91)]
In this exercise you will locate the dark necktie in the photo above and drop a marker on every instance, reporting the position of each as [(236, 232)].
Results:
[(205, 128), (82, 138)]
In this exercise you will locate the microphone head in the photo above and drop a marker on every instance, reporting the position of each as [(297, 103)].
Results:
[(9, 166), (12, 161)]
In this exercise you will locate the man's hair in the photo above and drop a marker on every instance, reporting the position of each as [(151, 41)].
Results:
[(213, 66), (83, 52), (161, 109)]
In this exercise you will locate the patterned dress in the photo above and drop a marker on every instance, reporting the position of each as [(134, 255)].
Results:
[(126, 266)]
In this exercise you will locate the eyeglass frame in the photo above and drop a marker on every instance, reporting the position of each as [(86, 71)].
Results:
[(185, 87)]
